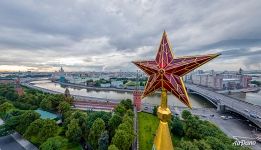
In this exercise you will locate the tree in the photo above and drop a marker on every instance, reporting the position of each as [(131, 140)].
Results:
[(215, 143), (120, 110), (187, 145), (258, 83), (14, 112), (112, 147), (11, 95), (121, 139), (6, 107), (49, 129), (4, 130), (185, 114), (34, 128), (124, 134), (130, 113), (202, 145), (127, 104), (114, 122), (128, 119), (12, 122), (103, 141), (64, 107), (25, 120), (2, 99), (53, 143), (92, 116), (97, 84), (46, 104), (74, 132), (176, 126), (82, 121), (97, 128), (56, 100), (68, 99), (192, 127), (155, 109), (126, 127), (40, 130)]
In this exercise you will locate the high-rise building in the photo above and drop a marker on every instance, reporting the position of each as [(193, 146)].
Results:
[(61, 74), (226, 80)]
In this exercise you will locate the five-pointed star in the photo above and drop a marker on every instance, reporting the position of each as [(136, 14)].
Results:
[(166, 71)]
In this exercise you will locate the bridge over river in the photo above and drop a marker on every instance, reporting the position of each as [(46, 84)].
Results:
[(225, 103)]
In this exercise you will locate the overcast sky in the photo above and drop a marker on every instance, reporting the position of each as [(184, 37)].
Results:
[(102, 35)]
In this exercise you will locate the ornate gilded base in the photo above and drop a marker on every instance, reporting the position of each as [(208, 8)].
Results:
[(162, 140)]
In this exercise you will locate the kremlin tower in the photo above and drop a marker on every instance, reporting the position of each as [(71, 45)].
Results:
[(18, 87), (137, 95)]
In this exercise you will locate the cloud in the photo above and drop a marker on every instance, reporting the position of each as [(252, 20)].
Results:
[(105, 35)]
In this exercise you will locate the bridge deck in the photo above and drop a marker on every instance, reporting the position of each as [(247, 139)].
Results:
[(238, 106)]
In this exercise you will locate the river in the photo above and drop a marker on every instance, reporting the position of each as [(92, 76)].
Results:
[(197, 101)]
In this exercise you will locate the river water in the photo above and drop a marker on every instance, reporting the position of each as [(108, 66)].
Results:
[(197, 101)]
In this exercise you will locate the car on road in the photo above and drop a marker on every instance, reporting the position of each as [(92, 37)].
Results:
[(229, 117), (176, 114), (223, 117), (205, 116), (253, 115), (246, 110)]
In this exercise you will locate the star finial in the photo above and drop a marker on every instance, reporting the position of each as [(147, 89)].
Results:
[(166, 71)]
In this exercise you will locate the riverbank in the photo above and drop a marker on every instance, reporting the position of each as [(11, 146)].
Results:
[(96, 88), (116, 95)]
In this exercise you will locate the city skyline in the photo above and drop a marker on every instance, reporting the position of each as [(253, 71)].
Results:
[(90, 36)]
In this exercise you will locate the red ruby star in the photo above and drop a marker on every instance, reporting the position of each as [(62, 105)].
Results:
[(166, 71)]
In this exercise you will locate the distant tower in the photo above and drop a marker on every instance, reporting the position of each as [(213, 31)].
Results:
[(18, 88), (67, 93), (137, 96), (240, 71), (61, 73)]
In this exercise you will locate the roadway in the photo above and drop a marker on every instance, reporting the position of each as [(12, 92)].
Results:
[(9, 143), (241, 107), (15, 141)]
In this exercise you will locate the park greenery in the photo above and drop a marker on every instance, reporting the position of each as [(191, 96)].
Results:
[(148, 125), (188, 132), (258, 83), (126, 82), (78, 129), (98, 130)]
